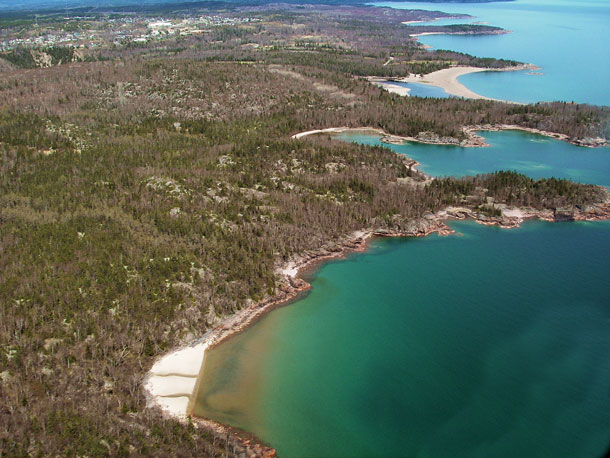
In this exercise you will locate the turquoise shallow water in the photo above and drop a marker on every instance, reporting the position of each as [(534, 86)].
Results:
[(424, 90), (568, 39), (494, 343), (533, 155), (490, 343)]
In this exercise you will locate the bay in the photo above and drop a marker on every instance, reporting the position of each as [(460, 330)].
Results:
[(532, 154), (566, 38), (491, 343)]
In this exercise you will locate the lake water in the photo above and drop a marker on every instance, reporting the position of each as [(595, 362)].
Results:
[(424, 90), (493, 343), (531, 154), (567, 39), (487, 343)]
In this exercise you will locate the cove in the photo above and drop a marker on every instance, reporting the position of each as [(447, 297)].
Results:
[(488, 343), (534, 155), (566, 38)]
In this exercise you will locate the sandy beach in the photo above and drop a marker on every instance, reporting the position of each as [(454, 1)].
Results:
[(172, 379), (447, 79), (393, 88), (172, 382), (337, 130), (473, 140)]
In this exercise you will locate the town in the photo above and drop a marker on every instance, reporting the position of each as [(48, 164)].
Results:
[(101, 31)]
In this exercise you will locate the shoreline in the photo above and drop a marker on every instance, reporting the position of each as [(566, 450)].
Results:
[(447, 79), (473, 140), (498, 32), (393, 88), (173, 381), (188, 361)]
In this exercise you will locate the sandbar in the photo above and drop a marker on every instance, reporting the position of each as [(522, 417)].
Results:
[(447, 79)]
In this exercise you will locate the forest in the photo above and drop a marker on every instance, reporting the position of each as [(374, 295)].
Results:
[(146, 195)]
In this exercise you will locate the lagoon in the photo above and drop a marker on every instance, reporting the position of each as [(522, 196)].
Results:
[(424, 90)]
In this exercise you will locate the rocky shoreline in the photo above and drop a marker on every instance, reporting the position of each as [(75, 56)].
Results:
[(473, 140), (590, 142), (290, 286), (471, 33)]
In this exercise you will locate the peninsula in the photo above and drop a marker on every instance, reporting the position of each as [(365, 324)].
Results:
[(447, 79)]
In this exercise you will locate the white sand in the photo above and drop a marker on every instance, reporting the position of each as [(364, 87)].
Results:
[(339, 130), (448, 80), (186, 362), (172, 385), (172, 379), (393, 88), (513, 212), (423, 34), (174, 406), (319, 131)]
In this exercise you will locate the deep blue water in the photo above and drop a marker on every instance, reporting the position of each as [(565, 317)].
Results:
[(487, 343)]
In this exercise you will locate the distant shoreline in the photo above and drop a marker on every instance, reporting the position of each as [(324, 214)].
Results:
[(447, 79), (497, 32), (473, 140)]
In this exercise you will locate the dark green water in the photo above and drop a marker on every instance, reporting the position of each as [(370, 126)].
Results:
[(534, 155), (495, 343)]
